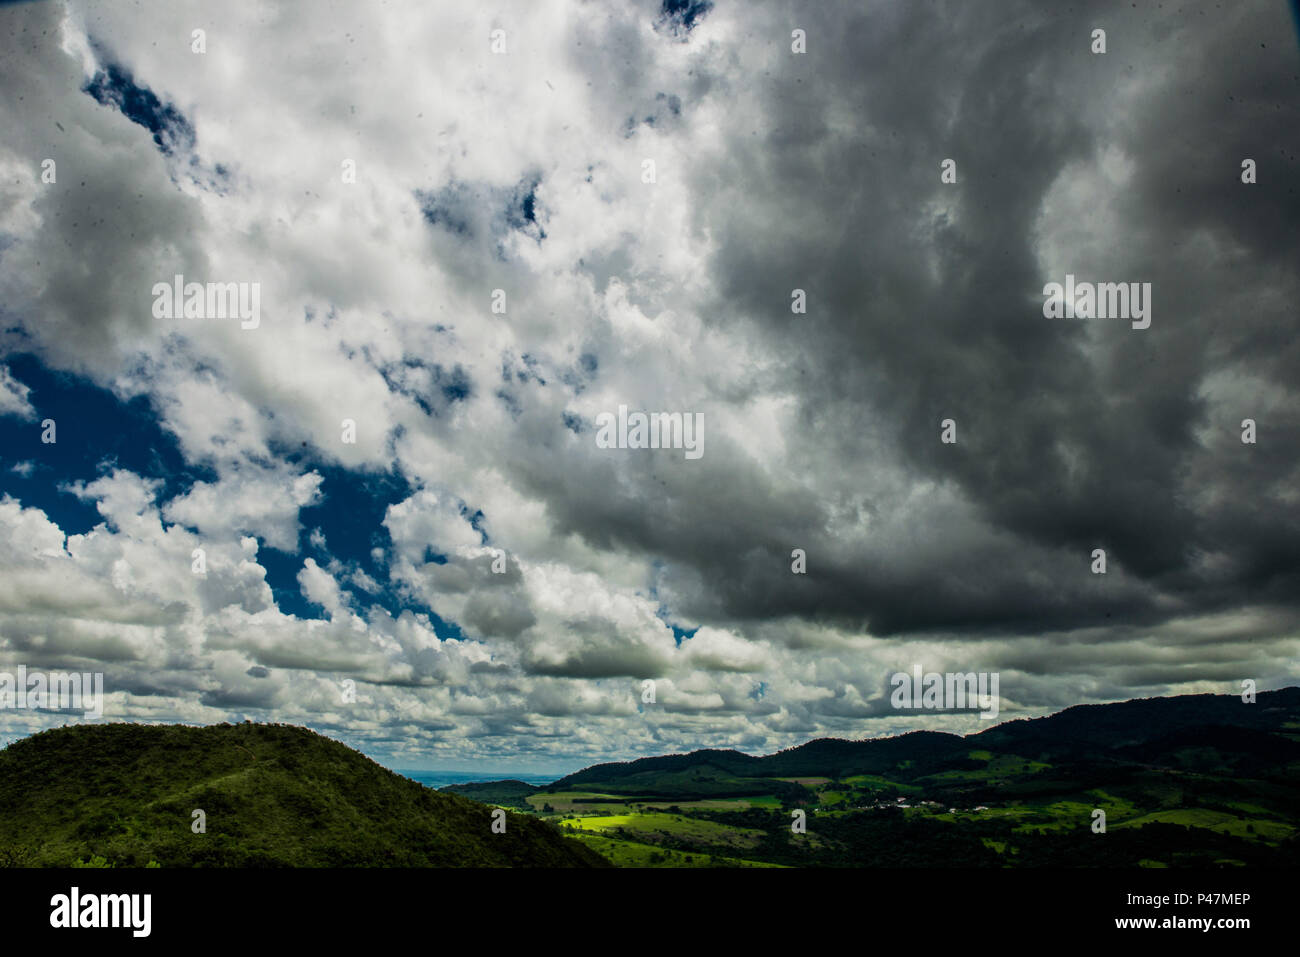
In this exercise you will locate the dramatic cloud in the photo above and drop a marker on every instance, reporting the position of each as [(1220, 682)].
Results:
[(379, 506)]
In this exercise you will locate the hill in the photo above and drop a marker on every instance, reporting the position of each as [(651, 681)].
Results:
[(509, 793), (273, 796), (1188, 781), (1079, 733)]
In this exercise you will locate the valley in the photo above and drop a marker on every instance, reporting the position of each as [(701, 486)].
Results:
[(1193, 781)]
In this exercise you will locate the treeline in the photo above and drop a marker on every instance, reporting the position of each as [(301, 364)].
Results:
[(887, 837)]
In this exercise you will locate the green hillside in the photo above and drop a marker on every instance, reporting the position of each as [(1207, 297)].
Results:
[(273, 795), (1191, 781), (509, 793)]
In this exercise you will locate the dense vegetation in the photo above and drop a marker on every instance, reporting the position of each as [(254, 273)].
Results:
[(273, 795), (1197, 780), (511, 794)]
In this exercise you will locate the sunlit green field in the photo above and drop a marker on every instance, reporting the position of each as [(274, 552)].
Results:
[(658, 826), (1216, 821), (579, 802), (1186, 800)]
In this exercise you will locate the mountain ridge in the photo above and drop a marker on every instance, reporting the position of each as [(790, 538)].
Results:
[(1080, 720), (270, 796)]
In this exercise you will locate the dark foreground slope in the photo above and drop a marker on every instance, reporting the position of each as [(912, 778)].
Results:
[(273, 795)]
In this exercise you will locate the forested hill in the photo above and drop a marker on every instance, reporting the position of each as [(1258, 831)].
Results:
[(1139, 729), (271, 795)]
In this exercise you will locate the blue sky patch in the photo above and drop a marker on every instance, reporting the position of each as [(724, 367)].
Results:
[(95, 432), (681, 16), (459, 208), (114, 86)]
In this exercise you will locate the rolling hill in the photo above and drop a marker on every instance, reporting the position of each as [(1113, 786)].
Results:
[(1194, 780), (1081, 733), (273, 796)]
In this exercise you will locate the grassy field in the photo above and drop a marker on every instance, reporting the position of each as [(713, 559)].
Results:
[(1014, 796), (580, 802), (660, 826), (634, 831), (1248, 828), (997, 770), (877, 781)]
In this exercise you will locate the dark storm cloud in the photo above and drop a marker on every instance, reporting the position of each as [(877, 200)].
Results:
[(925, 302), (475, 427)]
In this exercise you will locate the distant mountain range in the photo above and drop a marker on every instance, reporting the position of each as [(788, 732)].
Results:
[(1193, 780), (1158, 730)]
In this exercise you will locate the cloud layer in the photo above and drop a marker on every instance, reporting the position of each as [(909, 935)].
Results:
[(462, 264)]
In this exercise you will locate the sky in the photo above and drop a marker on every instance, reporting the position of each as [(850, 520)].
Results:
[(822, 230)]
